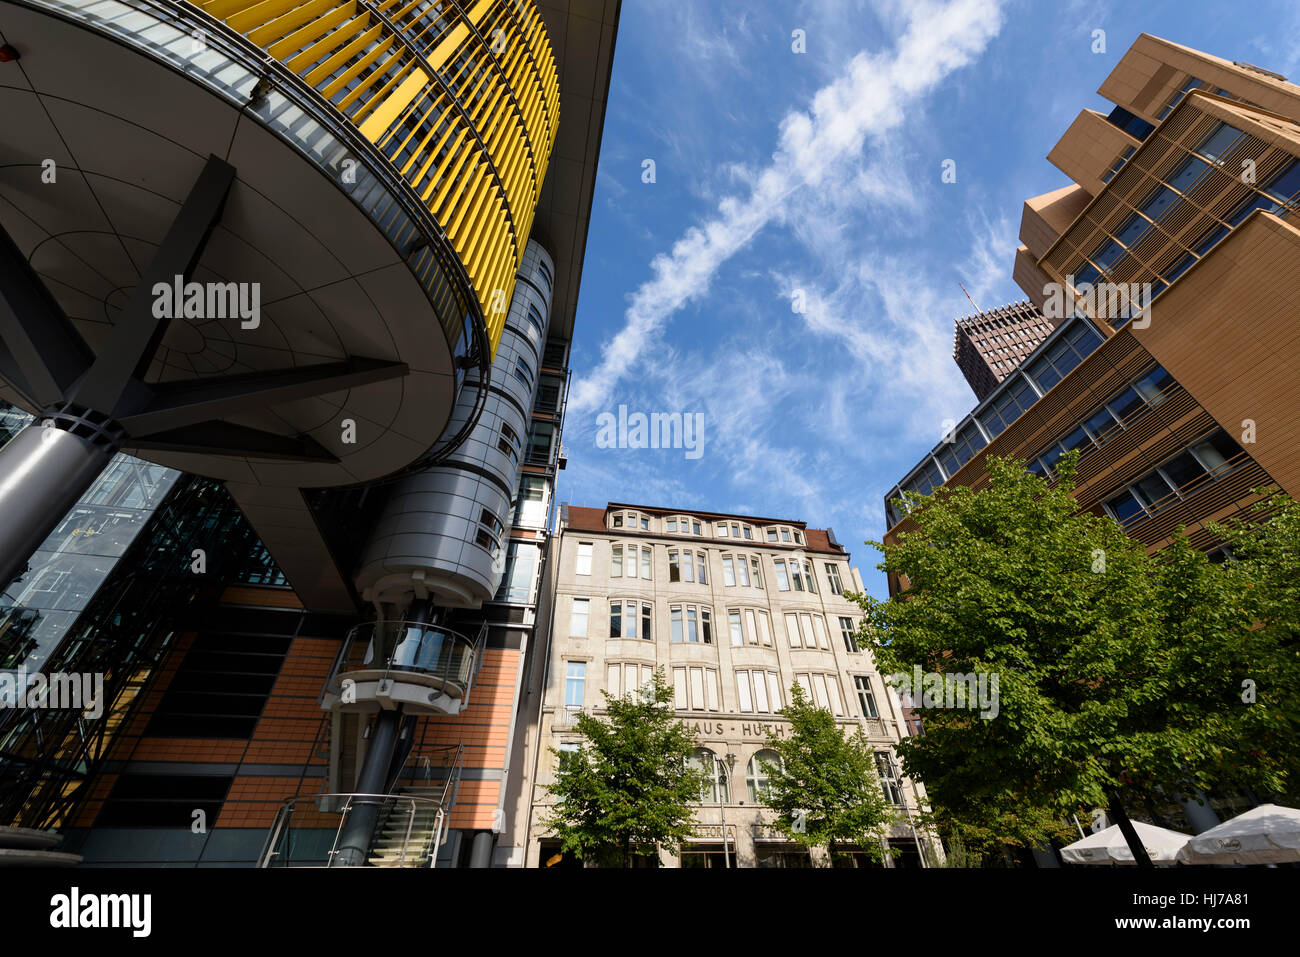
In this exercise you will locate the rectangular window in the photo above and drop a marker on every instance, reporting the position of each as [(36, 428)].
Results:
[(706, 625), (744, 697), (704, 578), (774, 691), (722, 530), (681, 700), (866, 698), (771, 534), (819, 625), (631, 561), (889, 782), (697, 688), (616, 619), (645, 562), (578, 618), (849, 633), (575, 683), (785, 534), (833, 576), (616, 561), (728, 571), (733, 623), (618, 519), (764, 629), (792, 629), (584, 558), (672, 525), (674, 570), (711, 689), (695, 527), (757, 570), (806, 629), (752, 625), (796, 571), (782, 580), (749, 532), (692, 625), (675, 616), (819, 692), (809, 577), (760, 692), (743, 568), (614, 679), (688, 566), (646, 631)]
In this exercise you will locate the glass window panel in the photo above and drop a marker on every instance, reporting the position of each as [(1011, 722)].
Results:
[(792, 629), (1219, 143), (1125, 507), (733, 624), (774, 691), (578, 619), (675, 617), (742, 567), (680, 699), (697, 689), (692, 626), (752, 625), (1187, 173), (711, 689), (614, 679), (760, 693), (743, 692)]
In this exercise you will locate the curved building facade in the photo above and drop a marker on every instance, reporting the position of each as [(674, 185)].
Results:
[(314, 186), (442, 533)]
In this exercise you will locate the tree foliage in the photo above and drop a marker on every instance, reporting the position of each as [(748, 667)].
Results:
[(1116, 669), (825, 788), (627, 790)]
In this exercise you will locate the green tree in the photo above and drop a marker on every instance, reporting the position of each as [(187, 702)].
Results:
[(825, 788), (1120, 674), (627, 790)]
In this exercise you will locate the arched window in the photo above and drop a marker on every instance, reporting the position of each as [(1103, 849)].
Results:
[(757, 777), (716, 789)]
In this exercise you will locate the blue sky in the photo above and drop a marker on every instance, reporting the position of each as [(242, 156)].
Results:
[(819, 173)]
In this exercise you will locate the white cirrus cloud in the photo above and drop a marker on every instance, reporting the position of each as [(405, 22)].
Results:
[(866, 101)]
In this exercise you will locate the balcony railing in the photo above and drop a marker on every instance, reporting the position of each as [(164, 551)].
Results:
[(444, 659)]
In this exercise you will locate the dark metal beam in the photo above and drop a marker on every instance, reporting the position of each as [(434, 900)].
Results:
[(41, 344), (136, 334), (227, 438), (175, 405)]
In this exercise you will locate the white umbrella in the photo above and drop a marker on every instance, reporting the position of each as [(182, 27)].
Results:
[(1109, 847), (1268, 834)]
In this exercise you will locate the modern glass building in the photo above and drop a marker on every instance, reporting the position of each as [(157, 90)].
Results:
[(284, 325), (1173, 261)]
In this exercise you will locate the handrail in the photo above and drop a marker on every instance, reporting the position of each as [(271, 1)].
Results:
[(282, 824)]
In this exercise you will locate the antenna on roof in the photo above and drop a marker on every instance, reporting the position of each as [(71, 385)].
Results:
[(972, 301)]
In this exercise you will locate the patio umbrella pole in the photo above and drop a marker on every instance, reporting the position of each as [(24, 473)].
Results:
[(1116, 810)]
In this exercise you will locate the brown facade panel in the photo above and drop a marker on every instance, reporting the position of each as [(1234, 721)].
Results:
[(1229, 332)]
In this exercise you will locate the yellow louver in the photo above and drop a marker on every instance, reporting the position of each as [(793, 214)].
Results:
[(462, 97)]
